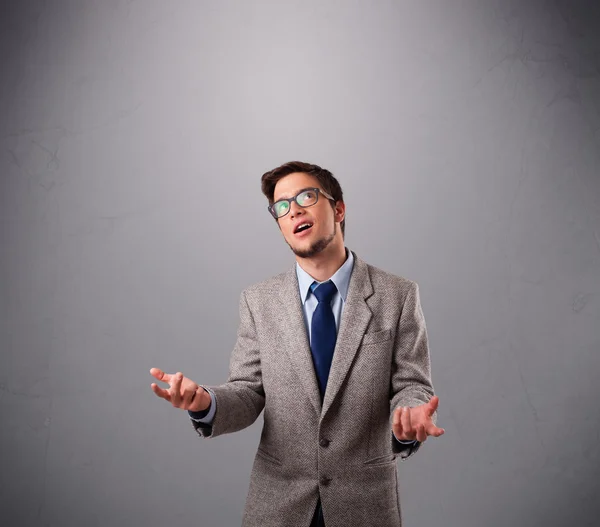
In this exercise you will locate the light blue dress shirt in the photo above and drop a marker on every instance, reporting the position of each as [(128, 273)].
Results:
[(341, 279)]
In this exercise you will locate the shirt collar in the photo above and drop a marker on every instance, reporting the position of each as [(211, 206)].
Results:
[(341, 278)]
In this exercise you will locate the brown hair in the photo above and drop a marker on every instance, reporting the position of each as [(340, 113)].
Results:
[(324, 177)]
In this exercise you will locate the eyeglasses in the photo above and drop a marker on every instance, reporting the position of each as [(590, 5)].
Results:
[(305, 198)]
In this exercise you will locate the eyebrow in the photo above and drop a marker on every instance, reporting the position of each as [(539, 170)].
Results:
[(295, 194)]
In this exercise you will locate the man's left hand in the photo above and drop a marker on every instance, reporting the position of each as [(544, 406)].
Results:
[(415, 423)]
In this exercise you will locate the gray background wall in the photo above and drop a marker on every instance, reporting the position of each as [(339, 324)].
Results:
[(466, 136)]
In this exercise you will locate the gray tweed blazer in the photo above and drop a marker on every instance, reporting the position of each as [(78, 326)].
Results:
[(342, 450)]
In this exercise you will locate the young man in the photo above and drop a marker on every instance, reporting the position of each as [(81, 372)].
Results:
[(335, 351)]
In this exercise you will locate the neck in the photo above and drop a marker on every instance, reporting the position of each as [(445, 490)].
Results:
[(323, 266)]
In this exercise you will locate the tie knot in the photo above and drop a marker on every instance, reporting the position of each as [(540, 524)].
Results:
[(325, 291)]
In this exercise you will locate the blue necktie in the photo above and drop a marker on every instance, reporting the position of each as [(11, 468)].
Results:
[(323, 333)]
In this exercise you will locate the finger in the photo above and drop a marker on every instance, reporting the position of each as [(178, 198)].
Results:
[(406, 423), (421, 434), (434, 431), (188, 392), (160, 375), (164, 394), (196, 402), (397, 424), (175, 389), (433, 405)]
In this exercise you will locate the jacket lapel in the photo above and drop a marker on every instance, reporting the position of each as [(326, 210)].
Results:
[(296, 338), (355, 319)]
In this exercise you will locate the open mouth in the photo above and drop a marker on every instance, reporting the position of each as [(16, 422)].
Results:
[(303, 229)]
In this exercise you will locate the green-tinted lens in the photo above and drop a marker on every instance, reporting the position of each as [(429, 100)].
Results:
[(280, 208), (306, 198)]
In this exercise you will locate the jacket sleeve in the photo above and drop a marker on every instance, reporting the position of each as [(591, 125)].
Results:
[(240, 400), (411, 377)]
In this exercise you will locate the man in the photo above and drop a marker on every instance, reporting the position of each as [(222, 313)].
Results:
[(335, 351)]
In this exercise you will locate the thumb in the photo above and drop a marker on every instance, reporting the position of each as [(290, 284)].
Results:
[(160, 375), (433, 404)]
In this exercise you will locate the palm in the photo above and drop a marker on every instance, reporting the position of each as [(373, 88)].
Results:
[(182, 392), (416, 423)]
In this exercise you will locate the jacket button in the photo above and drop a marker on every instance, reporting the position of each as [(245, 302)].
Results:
[(325, 480), (324, 442)]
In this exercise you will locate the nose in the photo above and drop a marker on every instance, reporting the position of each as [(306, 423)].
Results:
[(295, 209)]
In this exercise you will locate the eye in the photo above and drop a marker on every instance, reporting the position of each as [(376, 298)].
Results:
[(280, 206), (307, 196)]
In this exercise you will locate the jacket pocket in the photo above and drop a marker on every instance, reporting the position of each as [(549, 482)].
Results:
[(381, 460), (377, 336), (268, 457)]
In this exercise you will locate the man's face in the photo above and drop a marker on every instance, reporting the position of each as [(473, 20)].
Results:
[(321, 216)]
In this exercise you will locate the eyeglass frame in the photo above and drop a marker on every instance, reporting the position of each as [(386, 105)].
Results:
[(289, 200)]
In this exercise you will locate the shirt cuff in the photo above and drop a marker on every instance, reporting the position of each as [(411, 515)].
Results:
[(404, 441)]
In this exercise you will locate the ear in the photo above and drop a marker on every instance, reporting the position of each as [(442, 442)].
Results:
[(339, 211)]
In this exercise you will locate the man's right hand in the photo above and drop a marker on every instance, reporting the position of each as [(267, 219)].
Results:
[(182, 392)]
